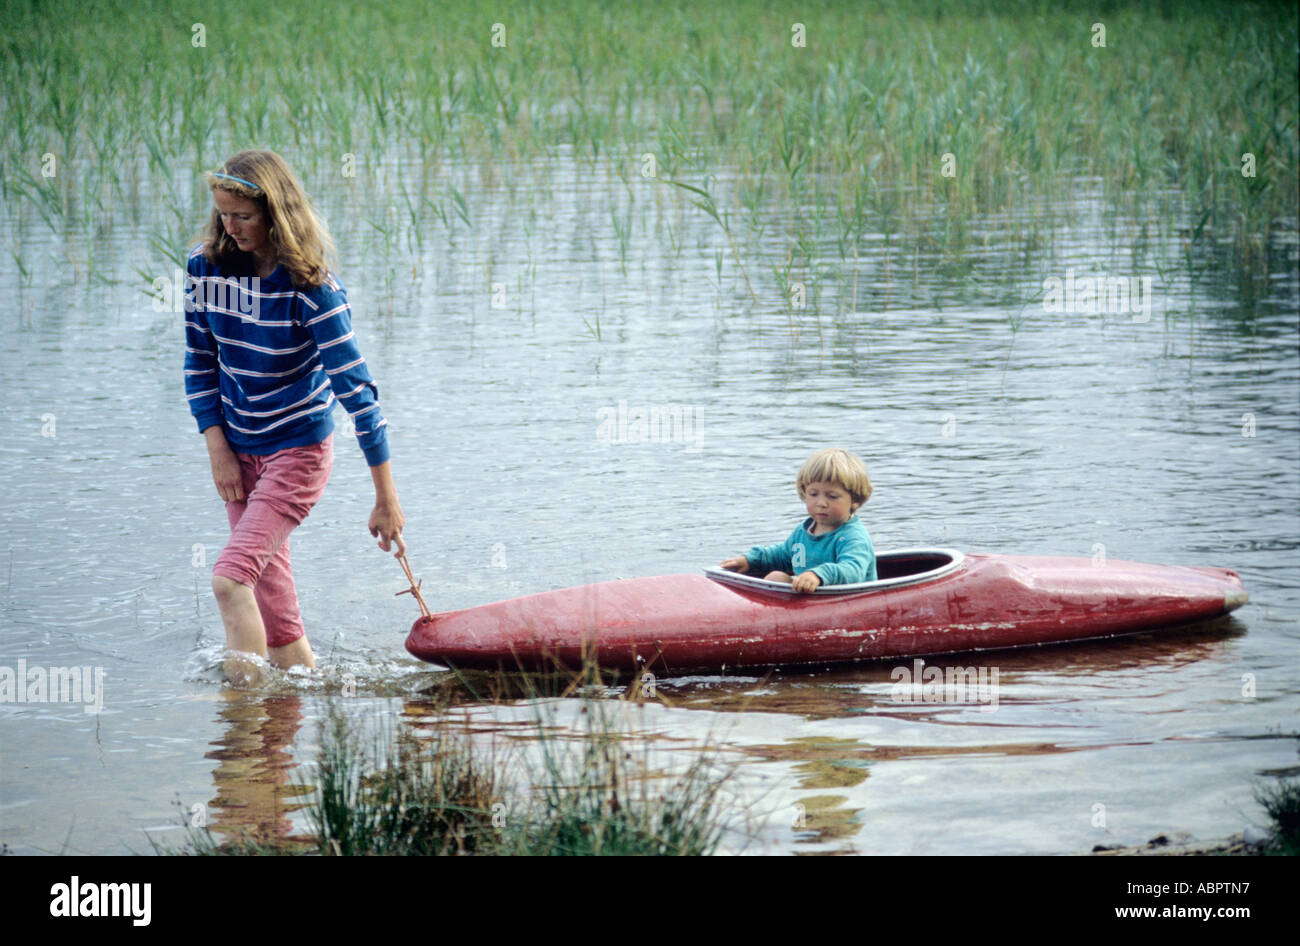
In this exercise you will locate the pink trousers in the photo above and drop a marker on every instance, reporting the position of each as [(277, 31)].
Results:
[(279, 490)]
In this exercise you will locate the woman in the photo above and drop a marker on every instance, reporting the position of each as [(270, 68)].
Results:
[(269, 347)]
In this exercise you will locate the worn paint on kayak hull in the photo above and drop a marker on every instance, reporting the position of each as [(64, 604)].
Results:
[(674, 623)]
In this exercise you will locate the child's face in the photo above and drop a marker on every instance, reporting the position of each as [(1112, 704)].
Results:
[(829, 504)]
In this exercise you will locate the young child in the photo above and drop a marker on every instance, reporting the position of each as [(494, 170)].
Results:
[(831, 547), (269, 347)]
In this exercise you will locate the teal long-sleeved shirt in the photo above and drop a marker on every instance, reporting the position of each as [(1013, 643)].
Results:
[(841, 557)]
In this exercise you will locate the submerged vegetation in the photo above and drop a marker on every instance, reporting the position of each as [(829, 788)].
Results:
[(836, 126)]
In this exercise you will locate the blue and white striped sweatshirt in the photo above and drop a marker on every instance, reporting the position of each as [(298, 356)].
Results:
[(266, 362)]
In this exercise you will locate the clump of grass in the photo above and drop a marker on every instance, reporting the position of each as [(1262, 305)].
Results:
[(1282, 802), (599, 801), (427, 798)]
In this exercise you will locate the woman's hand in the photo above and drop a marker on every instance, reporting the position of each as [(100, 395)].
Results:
[(737, 564), (386, 520), (226, 473)]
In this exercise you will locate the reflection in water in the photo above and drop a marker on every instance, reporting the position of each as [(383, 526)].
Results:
[(822, 818), (823, 764), (831, 692), (254, 794)]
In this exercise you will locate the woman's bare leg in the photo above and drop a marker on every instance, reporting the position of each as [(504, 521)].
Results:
[(292, 655), (246, 633)]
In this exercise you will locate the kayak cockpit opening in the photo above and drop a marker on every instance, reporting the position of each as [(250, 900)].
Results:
[(895, 569)]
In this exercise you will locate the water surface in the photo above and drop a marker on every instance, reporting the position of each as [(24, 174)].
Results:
[(987, 424)]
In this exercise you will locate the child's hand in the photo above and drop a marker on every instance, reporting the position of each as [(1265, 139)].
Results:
[(808, 581), (737, 564)]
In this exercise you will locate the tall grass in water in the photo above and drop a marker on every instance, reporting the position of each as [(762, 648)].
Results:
[(427, 797), (1017, 94), (594, 798)]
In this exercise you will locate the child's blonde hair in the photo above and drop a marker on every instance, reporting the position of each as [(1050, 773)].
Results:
[(835, 465), (300, 240)]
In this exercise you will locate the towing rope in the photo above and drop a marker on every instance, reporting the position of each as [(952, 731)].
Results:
[(414, 590)]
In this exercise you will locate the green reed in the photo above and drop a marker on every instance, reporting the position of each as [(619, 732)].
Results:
[(885, 114)]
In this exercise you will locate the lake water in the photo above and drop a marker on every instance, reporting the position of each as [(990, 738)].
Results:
[(987, 423)]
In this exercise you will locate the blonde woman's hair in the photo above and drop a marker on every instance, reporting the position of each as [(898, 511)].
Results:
[(834, 465), (299, 238)]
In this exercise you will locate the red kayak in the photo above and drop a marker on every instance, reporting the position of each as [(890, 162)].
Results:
[(927, 601)]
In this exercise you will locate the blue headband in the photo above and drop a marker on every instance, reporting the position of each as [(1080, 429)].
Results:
[(231, 177)]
